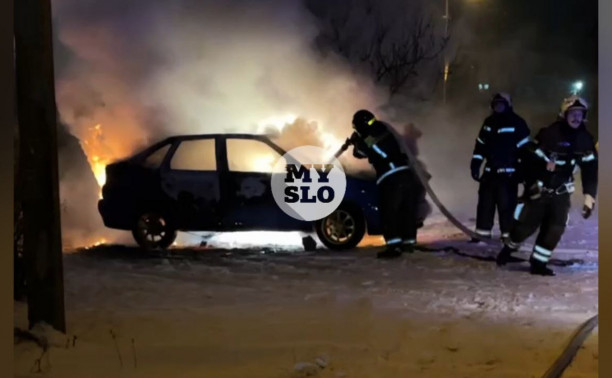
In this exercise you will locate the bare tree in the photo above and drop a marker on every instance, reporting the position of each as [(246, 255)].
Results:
[(392, 41)]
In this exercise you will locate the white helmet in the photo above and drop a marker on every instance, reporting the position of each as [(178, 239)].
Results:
[(573, 102), (501, 96)]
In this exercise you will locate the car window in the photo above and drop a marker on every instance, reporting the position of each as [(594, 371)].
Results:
[(195, 155), (249, 155), (155, 159)]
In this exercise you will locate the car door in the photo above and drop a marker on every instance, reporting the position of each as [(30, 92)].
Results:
[(246, 180), (191, 180)]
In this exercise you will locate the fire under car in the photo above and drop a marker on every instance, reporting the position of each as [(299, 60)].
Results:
[(220, 183)]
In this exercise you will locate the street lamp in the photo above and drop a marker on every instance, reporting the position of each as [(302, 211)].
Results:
[(577, 87), (446, 17)]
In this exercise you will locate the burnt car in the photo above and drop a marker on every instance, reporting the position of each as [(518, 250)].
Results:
[(220, 182)]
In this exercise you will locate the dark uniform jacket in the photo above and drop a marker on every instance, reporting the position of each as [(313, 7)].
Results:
[(498, 142), (568, 148), (380, 147)]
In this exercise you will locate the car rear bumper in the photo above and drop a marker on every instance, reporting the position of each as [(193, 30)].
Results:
[(115, 215)]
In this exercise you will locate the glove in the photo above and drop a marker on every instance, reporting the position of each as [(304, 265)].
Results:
[(346, 144), (589, 204), (475, 168), (534, 191)]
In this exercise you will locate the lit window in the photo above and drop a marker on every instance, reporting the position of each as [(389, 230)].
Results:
[(195, 155)]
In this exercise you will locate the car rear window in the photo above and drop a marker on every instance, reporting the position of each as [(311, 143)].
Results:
[(195, 155), (155, 159)]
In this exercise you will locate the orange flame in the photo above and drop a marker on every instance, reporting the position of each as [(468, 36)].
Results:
[(97, 243), (100, 242), (97, 155)]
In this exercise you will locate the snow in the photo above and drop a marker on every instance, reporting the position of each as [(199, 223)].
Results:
[(281, 312)]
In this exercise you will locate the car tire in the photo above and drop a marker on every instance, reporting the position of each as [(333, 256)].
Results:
[(154, 231), (343, 229)]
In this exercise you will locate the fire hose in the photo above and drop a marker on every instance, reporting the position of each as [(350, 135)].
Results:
[(584, 330), (423, 179), (570, 351)]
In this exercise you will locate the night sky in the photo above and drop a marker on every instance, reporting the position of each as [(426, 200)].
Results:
[(552, 43), (532, 49)]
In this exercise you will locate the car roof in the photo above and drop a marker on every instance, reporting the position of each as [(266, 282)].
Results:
[(174, 138), (217, 135)]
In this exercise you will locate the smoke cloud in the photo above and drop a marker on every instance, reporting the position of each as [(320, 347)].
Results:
[(133, 73)]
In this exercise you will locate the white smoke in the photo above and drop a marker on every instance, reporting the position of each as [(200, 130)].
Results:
[(144, 70)]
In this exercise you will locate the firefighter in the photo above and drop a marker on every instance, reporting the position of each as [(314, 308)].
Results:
[(501, 136), (550, 164), (397, 183)]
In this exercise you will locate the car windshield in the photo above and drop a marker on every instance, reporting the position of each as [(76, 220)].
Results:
[(251, 155), (354, 168)]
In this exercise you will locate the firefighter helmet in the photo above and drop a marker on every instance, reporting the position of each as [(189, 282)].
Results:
[(503, 97), (362, 119), (573, 102)]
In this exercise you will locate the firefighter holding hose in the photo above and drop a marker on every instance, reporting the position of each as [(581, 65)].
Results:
[(549, 167), (398, 186)]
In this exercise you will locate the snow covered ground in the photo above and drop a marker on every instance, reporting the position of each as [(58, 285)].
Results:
[(264, 312)]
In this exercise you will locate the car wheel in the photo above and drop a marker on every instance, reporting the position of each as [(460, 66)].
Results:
[(154, 231), (342, 229)]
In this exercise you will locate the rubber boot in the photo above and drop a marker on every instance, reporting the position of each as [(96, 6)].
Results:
[(408, 247), (505, 256), (480, 238), (505, 236), (390, 252), (309, 243), (540, 268)]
